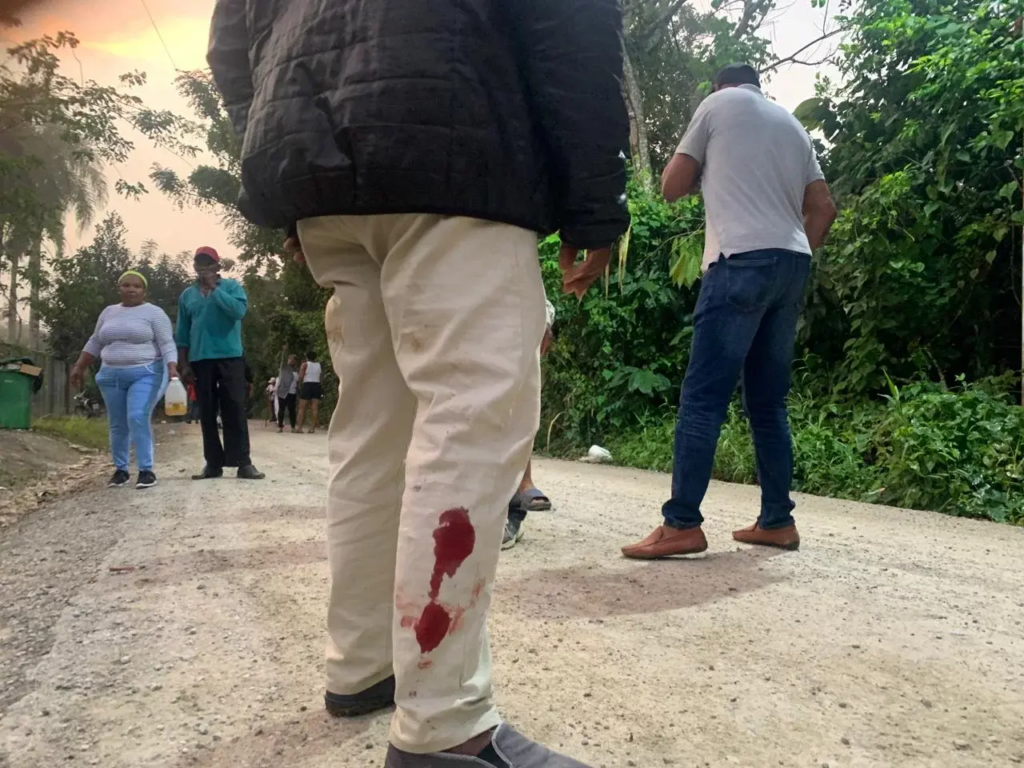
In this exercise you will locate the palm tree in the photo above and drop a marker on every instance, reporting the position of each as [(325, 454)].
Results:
[(65, 180)]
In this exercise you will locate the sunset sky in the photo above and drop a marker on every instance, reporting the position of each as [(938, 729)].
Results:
[(118, 36)]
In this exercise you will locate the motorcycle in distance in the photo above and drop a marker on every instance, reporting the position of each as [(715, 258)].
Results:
[(87, 406)]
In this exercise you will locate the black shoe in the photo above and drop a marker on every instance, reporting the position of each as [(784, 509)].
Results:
[(249, 472), (513, 526), (379, 696), (209, 473), (119, 479), (146, 479)]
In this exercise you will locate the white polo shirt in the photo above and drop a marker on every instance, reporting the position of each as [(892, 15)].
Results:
[(756, 161)]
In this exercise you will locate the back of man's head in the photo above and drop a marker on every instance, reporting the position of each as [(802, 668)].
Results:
[(736, 74)]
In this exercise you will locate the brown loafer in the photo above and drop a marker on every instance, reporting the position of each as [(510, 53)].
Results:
[(783, 538), (666, 541)]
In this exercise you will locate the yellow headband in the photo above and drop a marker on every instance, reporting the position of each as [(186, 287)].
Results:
[(133, 273)]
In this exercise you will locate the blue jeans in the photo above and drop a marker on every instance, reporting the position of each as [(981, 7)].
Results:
[(131, 394), (744, 326)]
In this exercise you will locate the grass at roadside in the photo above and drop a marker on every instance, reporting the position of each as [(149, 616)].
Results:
[(923, 446), (89, 433)]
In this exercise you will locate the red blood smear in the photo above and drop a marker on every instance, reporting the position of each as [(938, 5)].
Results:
[(454, 539), (478, 589), (432, 627), (408, 622), (457, 614), (425, 664)]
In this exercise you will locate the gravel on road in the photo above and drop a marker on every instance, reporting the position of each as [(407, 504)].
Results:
[(183, 626)]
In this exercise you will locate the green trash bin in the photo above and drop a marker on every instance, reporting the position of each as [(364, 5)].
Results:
[(15, 400)]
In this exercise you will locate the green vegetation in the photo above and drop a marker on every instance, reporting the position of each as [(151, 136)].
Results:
[(88, 433), (905, 386), (955, 451), (904, 392)]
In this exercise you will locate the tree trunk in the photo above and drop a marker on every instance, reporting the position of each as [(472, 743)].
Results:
[(35, 279), (638, 142), (12, 297)]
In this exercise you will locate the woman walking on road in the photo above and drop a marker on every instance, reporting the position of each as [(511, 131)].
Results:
[(135, 343), (287, 391), (310, 392)]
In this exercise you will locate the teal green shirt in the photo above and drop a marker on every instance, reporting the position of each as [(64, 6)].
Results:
[(210, 327)]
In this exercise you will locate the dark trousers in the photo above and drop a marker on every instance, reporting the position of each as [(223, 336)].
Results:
[(744, 327), (220, 386), (283, 403)]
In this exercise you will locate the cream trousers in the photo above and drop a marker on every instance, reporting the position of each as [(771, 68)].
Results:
[(434, 328)]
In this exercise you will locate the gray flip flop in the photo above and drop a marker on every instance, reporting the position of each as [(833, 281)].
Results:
[(534, 500), (512, 748)]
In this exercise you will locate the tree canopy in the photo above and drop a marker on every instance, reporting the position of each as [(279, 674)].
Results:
[(910, 345)]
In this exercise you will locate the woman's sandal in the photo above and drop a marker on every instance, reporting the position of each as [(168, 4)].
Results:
[(534, 500)]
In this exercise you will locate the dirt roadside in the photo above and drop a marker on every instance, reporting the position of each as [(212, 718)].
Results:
[(35, 468), (892, 639)]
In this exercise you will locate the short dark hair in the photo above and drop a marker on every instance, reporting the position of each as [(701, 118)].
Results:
[(737, 74), (311, 356)]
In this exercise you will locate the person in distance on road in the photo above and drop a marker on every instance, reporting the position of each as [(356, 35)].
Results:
[(209, 338), (136, 345)]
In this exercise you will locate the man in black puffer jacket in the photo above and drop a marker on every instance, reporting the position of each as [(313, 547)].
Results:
[(418, 147)]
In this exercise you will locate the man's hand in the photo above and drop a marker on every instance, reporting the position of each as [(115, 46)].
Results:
[(577, 277), (547, 341), (186, 375), (292, 246)]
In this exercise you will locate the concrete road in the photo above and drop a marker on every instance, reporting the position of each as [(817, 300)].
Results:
[(892, 638)]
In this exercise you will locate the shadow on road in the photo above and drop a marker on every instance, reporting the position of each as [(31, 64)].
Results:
[(589, 591), (274, 512), (187, 566), (289, 741)]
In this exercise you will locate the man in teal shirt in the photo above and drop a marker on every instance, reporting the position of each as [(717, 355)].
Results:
[(209, 338)]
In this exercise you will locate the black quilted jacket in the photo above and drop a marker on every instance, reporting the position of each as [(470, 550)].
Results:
[(507, 110)]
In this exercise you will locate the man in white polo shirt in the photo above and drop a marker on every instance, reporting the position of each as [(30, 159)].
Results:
[(767, 207)]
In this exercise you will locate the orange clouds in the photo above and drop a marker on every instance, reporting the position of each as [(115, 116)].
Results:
[(184, 37), (123, 29)]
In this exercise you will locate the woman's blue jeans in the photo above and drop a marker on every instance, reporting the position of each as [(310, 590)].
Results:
[(131, 394)]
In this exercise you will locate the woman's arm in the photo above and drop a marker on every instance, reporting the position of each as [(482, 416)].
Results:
[(78, 370), (163, 334), (302, 373), (93, 349)]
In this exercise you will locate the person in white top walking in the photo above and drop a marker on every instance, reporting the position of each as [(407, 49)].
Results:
[(135, 342), (767, 207), (311, 391)]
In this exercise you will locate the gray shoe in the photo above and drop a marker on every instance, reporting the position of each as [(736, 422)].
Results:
[(512, 749)]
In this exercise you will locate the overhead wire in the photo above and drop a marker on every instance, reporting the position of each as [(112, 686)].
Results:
[(160, 36)]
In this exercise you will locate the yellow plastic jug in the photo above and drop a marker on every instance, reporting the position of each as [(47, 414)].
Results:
[(175, 398)]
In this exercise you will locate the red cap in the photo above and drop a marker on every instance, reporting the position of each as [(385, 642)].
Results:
[(208, 251)]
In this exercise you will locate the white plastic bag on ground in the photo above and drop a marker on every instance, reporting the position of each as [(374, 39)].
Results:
[(597, 455)]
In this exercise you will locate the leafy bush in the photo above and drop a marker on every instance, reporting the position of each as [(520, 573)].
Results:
[(960, 452), (922, 447)]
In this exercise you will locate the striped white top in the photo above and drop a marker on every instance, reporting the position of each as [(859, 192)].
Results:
[(129, 336)]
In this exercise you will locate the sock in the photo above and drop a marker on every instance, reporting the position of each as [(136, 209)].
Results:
[(490, 756)]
